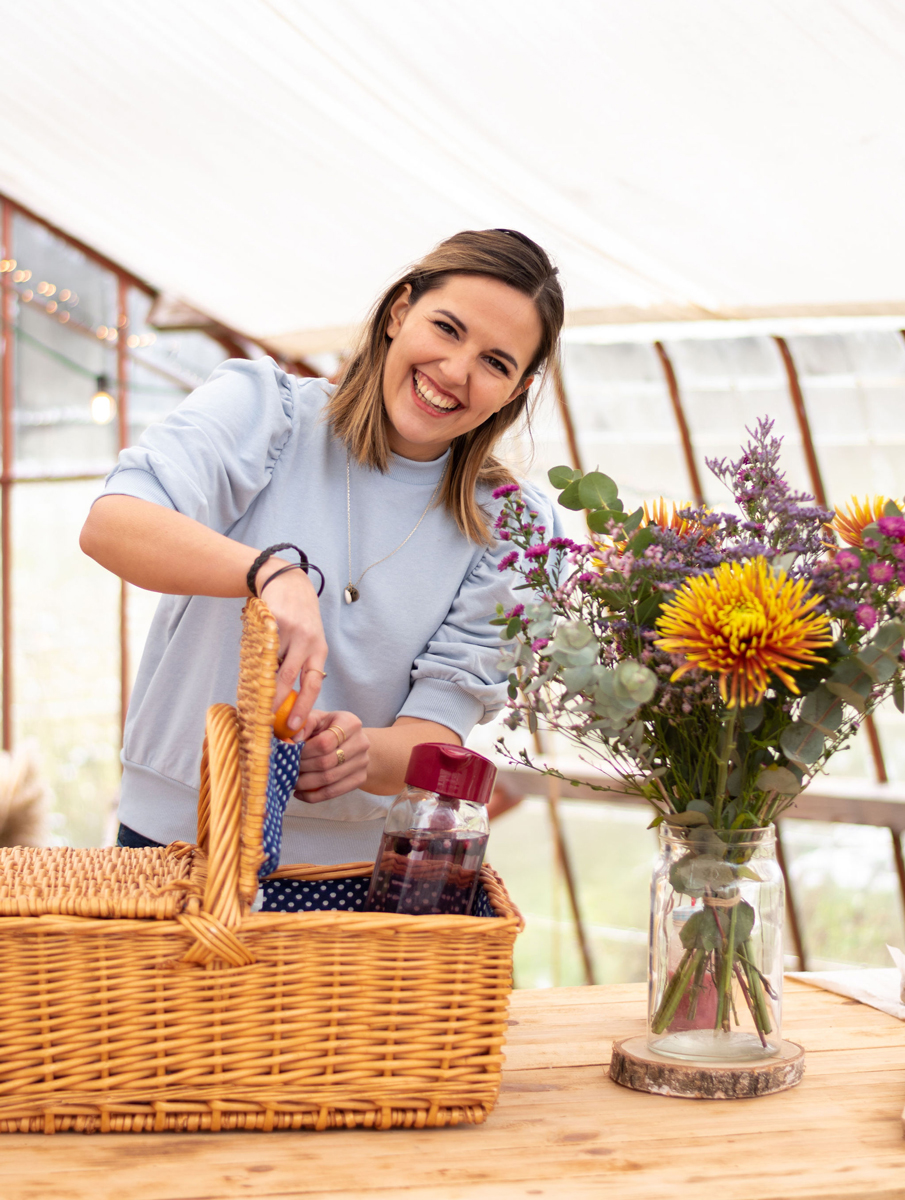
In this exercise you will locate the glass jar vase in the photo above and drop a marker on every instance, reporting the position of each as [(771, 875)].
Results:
[(716, 947)]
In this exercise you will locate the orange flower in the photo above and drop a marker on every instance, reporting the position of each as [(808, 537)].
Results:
[(744, 623), (850, 522), (658, 514)]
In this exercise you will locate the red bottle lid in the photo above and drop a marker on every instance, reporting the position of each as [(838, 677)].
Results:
[(451, 771)]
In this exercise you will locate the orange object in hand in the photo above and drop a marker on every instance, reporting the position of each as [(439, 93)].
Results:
[(281, 718)]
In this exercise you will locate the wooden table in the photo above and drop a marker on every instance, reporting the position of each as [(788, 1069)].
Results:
[(561, 1129)]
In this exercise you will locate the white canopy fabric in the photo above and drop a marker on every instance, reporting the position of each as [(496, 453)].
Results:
[(275, 162)]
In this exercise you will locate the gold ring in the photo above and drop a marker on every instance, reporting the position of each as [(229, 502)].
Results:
[(308, 671), (340, 757), (340, 734)]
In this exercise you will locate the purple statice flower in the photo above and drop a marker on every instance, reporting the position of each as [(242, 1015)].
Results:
[(515, 612), (881, 572), (508, 560), (892, 526), (506, 490), (870, 543), (847, 560), (866, 616), (541, 550), (898, 551), (539, 643)]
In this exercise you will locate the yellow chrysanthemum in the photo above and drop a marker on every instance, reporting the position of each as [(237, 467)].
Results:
[(851, 521), (744, 623), (658, 513)]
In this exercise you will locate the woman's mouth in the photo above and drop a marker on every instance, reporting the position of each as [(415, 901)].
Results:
[(429, 398)]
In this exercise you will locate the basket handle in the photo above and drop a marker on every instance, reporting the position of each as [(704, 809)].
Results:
[(221, 804)]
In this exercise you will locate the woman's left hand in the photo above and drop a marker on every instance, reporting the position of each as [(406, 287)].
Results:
[(335, 756)]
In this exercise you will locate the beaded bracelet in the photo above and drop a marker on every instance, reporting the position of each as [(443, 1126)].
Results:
[(303, 564)]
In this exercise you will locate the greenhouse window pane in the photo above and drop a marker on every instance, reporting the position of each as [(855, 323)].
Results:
[(66, 692)]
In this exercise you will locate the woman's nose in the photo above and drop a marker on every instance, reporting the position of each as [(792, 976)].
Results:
[(456, 368)]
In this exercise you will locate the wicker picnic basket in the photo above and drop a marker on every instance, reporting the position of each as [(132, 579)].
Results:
[(138, 992)]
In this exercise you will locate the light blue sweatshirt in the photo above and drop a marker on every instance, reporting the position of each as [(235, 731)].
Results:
[(249, 455)]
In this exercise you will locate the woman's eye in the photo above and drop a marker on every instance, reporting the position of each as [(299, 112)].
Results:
[(497, 365), (446, 327)]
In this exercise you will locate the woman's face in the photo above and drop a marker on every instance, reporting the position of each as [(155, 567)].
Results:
[(457, 356)]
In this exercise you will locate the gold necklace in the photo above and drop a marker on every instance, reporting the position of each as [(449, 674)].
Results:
[(351, 592)]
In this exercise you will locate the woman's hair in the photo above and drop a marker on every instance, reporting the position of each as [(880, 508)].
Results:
[(356, 410)]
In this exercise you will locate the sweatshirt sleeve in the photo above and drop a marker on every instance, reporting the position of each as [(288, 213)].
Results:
[(213, 454), (456, 680)]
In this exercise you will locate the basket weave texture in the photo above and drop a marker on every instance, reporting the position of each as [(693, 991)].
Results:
[(140, 993)]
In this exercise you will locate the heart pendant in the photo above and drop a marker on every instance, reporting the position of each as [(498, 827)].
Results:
[(351, 593)]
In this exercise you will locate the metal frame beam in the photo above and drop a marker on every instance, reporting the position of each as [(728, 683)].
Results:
[(7, 298), (675, 396)]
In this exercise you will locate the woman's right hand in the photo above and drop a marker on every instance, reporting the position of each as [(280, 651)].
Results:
[(303, 649)]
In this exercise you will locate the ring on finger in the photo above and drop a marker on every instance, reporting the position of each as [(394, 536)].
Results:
[(340, 757), (339, 732), (317, 671)]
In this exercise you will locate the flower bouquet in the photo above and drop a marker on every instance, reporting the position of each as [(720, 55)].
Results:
[(712, 662)]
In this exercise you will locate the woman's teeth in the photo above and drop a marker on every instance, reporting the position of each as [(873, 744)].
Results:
[(426, 392)]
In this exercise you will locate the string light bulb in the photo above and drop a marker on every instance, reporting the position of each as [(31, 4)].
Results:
[(103, 406)]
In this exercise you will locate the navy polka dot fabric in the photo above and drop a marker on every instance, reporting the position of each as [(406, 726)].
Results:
[(284, 772), (349, 895)]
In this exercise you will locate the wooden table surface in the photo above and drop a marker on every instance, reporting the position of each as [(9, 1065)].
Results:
[(561, 1129)]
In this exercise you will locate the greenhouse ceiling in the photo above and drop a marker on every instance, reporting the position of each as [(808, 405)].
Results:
[(273, 162)]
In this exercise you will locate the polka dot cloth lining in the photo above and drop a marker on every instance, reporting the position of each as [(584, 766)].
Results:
[(290, 895), (284, 772)]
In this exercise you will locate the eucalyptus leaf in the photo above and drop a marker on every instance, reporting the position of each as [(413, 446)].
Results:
[(561, 477), (599, 520), (802, 742), (633, 520), (882, 653), (700, 931), (688, 818), (577, 678), (891, 509), (597, 490), (694, 874), (751, 717), (846, 693), (642, 539), (744, 923), (735, 781), (823, 710), (701, 806), (898, 695), (778, 779), (634, 682), (570, 498)]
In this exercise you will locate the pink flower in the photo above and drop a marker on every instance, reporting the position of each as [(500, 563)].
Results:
[(892, 526), (880, 572), (506, 490), (539, 551), (866, 616), (515, 612), (847, 560), (539, 643), (506, 562)]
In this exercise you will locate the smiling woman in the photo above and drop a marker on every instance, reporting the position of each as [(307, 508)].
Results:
[(390, 476)]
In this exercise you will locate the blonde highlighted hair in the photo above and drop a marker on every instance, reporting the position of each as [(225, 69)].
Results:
[(356, 410)]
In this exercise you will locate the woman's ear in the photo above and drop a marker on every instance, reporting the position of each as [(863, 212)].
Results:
[(521, 386), (398, 310)]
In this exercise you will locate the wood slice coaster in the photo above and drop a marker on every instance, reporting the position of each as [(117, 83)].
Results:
[(635, 1065)]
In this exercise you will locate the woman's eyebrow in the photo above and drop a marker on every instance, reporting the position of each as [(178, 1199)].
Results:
[(460, 325)]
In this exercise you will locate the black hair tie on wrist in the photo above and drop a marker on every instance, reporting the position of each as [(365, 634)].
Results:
[(303, 565)]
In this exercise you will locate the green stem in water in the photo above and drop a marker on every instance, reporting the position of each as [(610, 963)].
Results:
[(727, 749), (760, 1010), (725, 990), (675, 990)]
